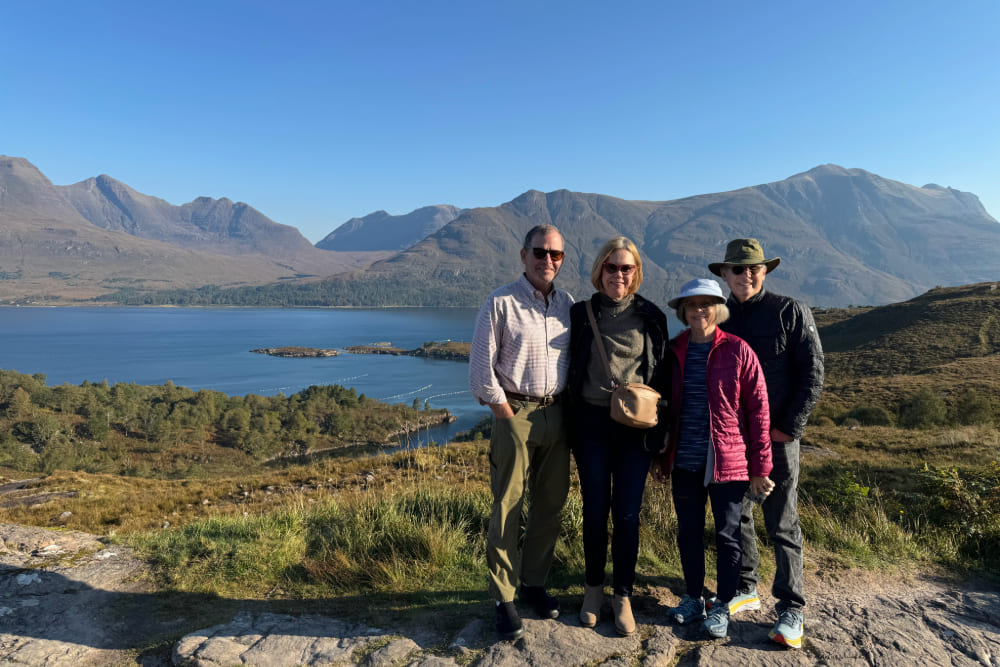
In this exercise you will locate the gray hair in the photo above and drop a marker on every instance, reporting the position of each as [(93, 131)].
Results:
[(721, 313), (539, 229)]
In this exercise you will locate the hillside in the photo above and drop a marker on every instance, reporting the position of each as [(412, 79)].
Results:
[(947, 339), (846, 236), (79, 241), (381, 231)]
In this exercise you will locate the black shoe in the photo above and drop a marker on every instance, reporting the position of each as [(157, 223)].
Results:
[(509, 624), (544, 604)]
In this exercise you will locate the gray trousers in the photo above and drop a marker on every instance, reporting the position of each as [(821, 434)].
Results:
[(529, 456), (781, 519)]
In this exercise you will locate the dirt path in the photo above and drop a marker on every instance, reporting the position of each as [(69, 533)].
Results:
[(67, 599)]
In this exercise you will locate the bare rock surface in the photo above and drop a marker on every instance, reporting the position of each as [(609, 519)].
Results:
[(69, 599)]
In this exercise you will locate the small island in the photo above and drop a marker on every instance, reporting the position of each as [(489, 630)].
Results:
[(449, 350), (295, 351)]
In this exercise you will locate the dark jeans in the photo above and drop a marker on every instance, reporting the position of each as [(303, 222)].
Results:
[(781, 519), (690, 493), (613, 469)]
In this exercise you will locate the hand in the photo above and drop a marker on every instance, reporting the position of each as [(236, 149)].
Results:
[(761, 487), (778, 436), (660, 472), (502, 410), (665, 445)]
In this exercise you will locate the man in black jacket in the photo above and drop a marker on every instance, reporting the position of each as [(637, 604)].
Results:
[(782, 332)]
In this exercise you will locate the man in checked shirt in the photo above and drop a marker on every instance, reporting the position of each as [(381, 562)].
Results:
[(518, 367)]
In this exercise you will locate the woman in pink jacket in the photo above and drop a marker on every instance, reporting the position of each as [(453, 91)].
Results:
[(718, 448)]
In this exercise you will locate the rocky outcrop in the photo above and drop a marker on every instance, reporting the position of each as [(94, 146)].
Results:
[(296, 352), (890, 624), (71, 598), (448, 350)]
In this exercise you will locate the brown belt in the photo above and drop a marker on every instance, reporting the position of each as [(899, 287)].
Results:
[(541, 400)]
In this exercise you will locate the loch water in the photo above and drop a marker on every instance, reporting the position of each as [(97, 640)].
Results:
[(203, 348)]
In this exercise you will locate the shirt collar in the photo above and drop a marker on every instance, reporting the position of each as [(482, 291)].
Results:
[(531, 292)]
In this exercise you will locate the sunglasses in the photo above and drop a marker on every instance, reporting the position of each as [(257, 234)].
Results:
[(540, 253), (625, 269), (738, 269)]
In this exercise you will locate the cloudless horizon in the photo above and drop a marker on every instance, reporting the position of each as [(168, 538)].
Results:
[(317, 112)]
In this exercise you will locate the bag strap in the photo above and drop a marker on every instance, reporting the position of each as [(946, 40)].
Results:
[(600, 344)]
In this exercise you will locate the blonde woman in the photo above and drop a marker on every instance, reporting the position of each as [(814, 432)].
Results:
[(613, 460)]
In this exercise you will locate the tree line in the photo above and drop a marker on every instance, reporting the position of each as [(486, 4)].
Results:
[(94, 426), (373, 292)]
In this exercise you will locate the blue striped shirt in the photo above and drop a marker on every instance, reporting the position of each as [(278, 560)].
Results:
[(692, 447)]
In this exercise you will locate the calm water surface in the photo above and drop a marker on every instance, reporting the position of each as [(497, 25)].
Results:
[(210, 349)]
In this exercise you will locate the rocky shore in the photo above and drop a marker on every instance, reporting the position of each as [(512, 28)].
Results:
[(448, 350), (296, 352)]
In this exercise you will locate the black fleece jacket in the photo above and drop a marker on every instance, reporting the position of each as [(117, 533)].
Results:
[(782, 332)]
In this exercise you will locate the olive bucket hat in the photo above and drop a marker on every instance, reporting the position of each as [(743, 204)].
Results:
[(744, 251)]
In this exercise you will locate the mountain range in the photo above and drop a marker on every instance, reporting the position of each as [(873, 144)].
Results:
[(90, 238), (845, 236)]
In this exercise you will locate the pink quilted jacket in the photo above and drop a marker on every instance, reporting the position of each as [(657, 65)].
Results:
[(738, 411)]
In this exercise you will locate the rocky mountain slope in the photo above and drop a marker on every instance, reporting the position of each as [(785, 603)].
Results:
[(220, 224), (99, 235), (846, 236), (381, 231)]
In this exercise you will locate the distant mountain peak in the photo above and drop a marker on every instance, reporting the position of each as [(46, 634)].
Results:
[(381, 231)]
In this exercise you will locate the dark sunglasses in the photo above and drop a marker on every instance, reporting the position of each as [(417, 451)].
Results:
[(737, 269), (540, 253), (625, 269)]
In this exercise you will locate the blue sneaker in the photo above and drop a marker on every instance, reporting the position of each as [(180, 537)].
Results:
[(743, 601), (717, 623), (688, 611), (788, 629)]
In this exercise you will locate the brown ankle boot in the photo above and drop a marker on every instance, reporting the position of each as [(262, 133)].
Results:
[(593, 598), (624, 622)]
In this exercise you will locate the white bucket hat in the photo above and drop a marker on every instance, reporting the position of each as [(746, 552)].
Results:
[(698, 287)]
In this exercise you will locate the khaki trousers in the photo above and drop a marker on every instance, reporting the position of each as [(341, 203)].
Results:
[(529, 456)]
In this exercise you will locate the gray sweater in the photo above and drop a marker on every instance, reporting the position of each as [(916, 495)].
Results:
[(621, 335)]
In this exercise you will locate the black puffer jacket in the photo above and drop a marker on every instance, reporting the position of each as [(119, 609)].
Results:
[(782, 332), (654, 370)]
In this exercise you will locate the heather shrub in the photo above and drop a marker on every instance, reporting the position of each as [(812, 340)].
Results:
[(924, 409), (870, 415)]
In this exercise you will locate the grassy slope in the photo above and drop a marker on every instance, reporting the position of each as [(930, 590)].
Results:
[(947, 339)]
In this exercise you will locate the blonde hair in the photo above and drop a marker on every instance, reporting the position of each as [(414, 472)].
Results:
[(721, 313), (617, 243)]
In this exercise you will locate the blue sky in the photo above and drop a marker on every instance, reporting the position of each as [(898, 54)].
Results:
[(316, 112)]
